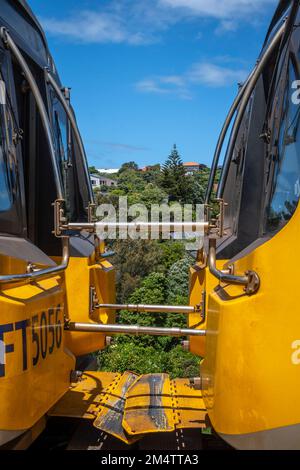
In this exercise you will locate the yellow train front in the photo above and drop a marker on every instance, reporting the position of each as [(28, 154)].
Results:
[(45, 276), (250, 372)]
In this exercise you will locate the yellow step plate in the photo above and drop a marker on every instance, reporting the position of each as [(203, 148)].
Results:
[(128, 406), (83, 398), (157, 404), (188, 404), (149, 406), (111, 411)]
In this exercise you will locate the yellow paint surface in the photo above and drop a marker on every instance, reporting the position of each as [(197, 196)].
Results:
[(83, 399), (37, 366), (80, 277), (252, 380)]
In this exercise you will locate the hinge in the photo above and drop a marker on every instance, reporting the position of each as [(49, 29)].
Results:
[(91, 209), (59, 217), (216, 226)]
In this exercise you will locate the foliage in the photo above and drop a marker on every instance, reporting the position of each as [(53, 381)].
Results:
[(131, 166), (154, 354), (152, 271), (178, 282), (170, 252), (174, 179), (179, 363), (127, 356), (136, 259), (152, 174), (93, 170), (122, 357)]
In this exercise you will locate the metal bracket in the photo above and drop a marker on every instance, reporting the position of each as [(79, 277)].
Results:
[(221, 217), (59, 217), (216, 226), (4, 36), (250, 280), (91, 209), (203, 307), (94, 301), (253, 283)]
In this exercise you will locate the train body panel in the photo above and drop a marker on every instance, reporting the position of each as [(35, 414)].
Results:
[(35, 367), (201, 283), (86, 283), (251, 365)]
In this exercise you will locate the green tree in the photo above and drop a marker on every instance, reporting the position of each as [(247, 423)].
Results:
[(93, 170), (152, 174), (134, 357), (134, 260), (171, 252), (133, 353), (179, 363), (178, 281), (131, 181), (152, 194), (174, 179), (199, 182), (122, 357), (128, 166)]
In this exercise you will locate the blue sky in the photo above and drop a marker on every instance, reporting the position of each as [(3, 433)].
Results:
[(146, 74)]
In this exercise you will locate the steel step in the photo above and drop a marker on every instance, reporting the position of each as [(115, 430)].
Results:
[(129, 407)]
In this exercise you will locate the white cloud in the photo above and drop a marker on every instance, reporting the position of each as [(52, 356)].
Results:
[(165, 85), (202, 73), (220, 8), (226, 26), (93, 27), (138, 22), (214, 75)]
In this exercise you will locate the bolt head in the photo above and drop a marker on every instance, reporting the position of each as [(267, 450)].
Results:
[(76, 376), (185, 345)]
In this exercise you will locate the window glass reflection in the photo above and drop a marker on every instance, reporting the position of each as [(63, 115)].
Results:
[(286, 181)]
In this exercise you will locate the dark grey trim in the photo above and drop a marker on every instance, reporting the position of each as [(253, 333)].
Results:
[(283, 438), (19, 248)]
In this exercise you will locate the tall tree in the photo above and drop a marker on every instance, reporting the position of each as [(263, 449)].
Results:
[(174, 179)]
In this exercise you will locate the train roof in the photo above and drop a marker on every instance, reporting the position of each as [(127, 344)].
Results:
[(26, 30), (24, 5)]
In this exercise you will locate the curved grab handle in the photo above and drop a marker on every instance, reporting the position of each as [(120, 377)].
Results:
[(250, 280), (250, 86), (41, 274), (10, 44)]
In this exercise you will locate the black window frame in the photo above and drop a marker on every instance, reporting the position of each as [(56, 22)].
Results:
[(276, 119), (13, 222)]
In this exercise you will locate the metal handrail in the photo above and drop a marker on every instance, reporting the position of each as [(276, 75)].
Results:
[(159, 226), (43, 273), (72, 120), (244, 103), (9, 43), (132, 330), (143, 308), (53, 271), (222, 136)]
